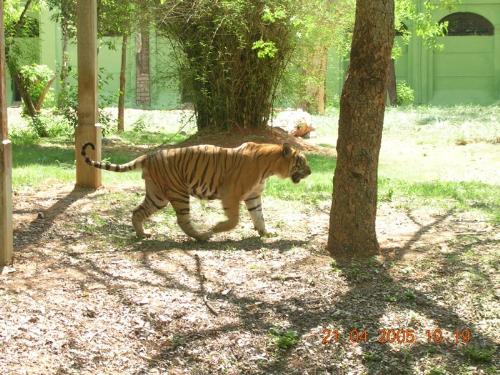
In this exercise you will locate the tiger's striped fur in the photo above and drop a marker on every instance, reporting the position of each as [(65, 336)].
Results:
[(209, 172)]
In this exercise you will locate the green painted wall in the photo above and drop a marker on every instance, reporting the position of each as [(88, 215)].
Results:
[(164, 86), (465, 71)]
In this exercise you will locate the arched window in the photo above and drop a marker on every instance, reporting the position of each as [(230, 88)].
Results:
[(466, 23)]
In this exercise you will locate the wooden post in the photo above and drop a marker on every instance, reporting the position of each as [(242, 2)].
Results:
[(88, 130), (5, 162)]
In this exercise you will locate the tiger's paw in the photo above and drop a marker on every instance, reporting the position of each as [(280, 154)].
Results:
[(143, 235), (267, 233), (204, 236)]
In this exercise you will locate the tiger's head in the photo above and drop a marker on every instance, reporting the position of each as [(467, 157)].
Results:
[(298, 167)]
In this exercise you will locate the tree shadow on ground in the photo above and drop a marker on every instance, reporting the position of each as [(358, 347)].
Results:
[(362, 307), (35, 231), (372, 290), (249, 244)]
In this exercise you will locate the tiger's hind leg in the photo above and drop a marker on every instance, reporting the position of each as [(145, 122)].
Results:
[(181, 206), (232, 211), (152, 202)]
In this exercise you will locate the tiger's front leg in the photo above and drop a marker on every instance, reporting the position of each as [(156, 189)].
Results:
[(254, 207)]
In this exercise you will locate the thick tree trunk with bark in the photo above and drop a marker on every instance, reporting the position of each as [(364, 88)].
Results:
[(352, 218), (121, 96)]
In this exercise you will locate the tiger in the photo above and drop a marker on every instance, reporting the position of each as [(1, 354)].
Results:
[(209, 172)]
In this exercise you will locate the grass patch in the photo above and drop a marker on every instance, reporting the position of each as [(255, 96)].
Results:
[(446, 194), (283, 339), (151, 138), (317, 187), (39, 162), (47, 163), (479, 354)]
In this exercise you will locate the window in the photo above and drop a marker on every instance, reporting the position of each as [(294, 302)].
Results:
[(465, 23)]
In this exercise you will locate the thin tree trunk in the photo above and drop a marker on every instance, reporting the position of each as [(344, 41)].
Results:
[(28, 103), (391, 85), (64, 69), (121, 96), (12, 64), (354, 206), (41, 98), (314, 101)]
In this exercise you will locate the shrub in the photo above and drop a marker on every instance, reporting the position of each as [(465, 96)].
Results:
[(68, 105), (283, 339), (37, 80), (51, 125), (233, 54), (404, 94), (23, 137)]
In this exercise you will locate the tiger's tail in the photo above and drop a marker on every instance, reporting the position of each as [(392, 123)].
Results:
[(131, 165)]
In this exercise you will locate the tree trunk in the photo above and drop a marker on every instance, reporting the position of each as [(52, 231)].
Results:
[(13, 66), (28, 103), (121, 96), (391, 85), (315, 91), (354, 206), (142, 72), (62, 97)]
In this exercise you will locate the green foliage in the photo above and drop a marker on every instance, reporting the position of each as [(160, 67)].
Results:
[(38, 127), (437, 371), (47, 125), (265, 49), (29, 25), (407, 12), (478, 354), (405, 95), (35, 79), (283, 339), (23, 137), (68, 105), (232, 55), (64, 12)]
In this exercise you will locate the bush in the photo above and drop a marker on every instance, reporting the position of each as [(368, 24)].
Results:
[(404, 94), (23, 137), (68, 105), (37, 80), (50, 125), (232, 55)]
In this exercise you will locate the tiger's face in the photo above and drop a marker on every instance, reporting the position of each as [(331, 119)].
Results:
[(299, 168)]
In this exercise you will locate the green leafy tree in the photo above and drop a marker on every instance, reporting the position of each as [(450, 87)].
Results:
[(232, 55), (64, 12), (116, 17), (330, 23), (21, 20), (37, 80)]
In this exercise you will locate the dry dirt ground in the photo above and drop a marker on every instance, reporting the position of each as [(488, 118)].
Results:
[(85, 297)]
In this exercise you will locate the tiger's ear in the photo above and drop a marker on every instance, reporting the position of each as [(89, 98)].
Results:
[(287, 150)]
